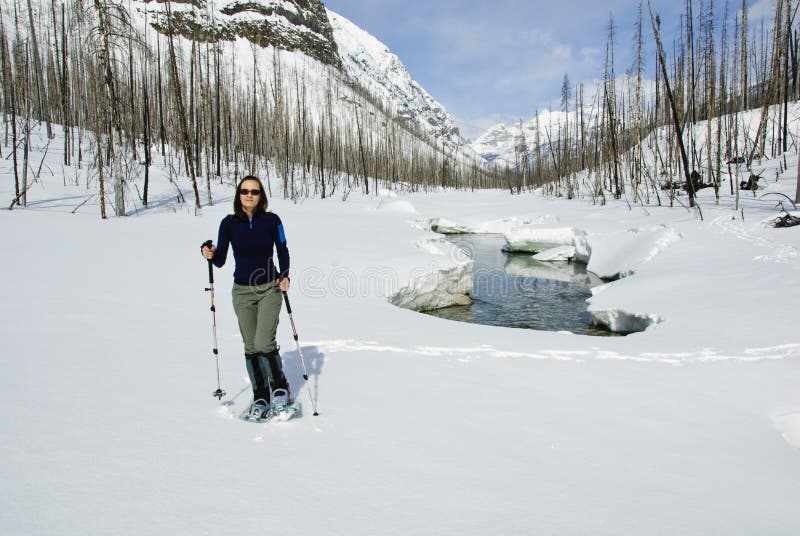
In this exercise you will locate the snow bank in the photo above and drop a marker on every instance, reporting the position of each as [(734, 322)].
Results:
[(442, 288), (395, 205), (499, 226), (560, 253), (620, 321), (431, 245), (447, 227), (538, 239), (617, 255)]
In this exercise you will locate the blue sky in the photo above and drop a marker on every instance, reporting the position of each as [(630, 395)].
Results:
[(492, 61)]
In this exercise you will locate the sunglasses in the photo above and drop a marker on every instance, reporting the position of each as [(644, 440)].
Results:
[(244, 191)]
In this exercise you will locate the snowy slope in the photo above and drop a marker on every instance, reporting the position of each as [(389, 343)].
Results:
[(375, 68), (426, 426), (324, 36), (317, 44)]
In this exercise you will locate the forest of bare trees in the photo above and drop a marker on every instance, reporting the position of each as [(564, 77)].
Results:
[(718, 66), (87, 66), (125, 94)]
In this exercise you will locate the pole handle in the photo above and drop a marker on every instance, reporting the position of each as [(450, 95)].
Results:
[(208, 244)]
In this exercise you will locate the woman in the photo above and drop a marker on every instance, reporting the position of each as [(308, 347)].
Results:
[(257, 285)]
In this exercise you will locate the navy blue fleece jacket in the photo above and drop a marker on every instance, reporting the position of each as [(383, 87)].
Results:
[(252, 242)]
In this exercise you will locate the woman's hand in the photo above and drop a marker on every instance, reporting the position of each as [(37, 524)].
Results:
[(283, 284), (208, 252)]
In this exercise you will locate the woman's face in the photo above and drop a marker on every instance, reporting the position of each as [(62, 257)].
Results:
[(250, 201)]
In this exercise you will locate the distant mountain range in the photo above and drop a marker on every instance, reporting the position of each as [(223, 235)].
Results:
[(499, 144)]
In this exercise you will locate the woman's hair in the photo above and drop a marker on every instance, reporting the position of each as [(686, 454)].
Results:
[(237, 199)]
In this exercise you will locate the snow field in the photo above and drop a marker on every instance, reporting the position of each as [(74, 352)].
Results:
[(425, 425)]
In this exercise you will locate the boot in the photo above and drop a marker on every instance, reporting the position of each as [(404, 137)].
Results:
[(275, 364), (258, 378)]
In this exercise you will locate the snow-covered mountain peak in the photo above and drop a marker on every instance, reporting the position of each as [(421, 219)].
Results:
[(373, 66), (501, 142), (494, 143)]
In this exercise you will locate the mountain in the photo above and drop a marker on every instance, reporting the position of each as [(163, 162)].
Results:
[(375, 68), (501, 143), (306, 26), (285, 24)]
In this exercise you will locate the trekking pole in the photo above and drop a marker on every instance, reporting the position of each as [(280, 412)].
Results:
[(219, 393), (299, 352)]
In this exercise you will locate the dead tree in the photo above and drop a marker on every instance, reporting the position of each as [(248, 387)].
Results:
[(40, 82), (9, 88), (178, 94), (670, 97)]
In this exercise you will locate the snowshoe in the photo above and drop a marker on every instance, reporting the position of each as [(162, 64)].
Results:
[(283, 407), (257, 411)]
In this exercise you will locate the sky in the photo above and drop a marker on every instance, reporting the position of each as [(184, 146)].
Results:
[(499, 61)]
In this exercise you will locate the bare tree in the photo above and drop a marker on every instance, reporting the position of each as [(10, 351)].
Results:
[(178, 96), (675, 116)]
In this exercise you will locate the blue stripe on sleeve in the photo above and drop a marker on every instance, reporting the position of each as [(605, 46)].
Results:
[(281, 235)]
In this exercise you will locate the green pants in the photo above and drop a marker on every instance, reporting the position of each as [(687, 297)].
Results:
[(257, 308)]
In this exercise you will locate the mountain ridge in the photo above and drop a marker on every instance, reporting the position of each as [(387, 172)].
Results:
[(307, 26)]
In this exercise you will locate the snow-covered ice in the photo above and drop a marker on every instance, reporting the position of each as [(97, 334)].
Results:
[(558, 253)]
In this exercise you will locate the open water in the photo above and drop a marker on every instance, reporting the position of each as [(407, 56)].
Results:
[(514, 290)]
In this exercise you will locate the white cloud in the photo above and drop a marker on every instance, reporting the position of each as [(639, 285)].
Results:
[(589, 54), (537, 37), (562, 52), (762, 9)]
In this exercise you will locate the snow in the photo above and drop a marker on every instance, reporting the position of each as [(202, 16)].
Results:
[(530, 239), (426, 426), (624, 322), (446, 227), (499, 226), (540, 239), (436, 290), (374, 67), (619, 254), (559, 253), (789, 426)]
